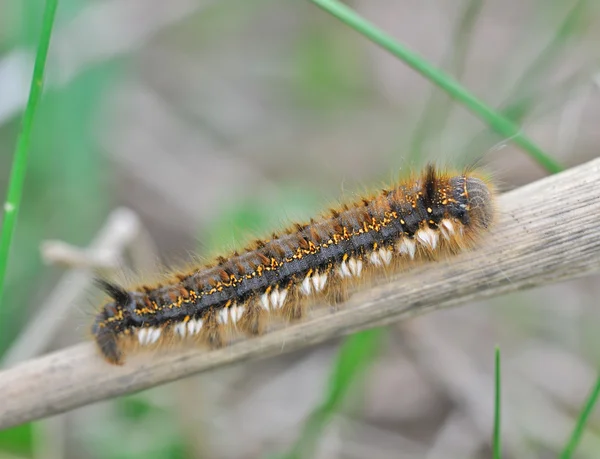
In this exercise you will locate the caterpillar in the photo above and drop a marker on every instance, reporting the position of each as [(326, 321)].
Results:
[(317, 262)]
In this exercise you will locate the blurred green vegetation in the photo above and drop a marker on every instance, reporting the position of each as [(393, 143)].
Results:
[(494, 119), (18, 440), (240, 223), (355, 356), (63, 195), (152, 432), (332, 74)]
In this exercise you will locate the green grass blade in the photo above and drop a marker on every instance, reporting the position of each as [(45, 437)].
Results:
[(525, 93), (438, 107), (355, 355), (492, 118), (19, 166), (567, 453), (497, 444), (542, 63)]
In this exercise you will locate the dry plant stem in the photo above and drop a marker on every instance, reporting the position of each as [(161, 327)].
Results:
[(120, 230), (547, 232)]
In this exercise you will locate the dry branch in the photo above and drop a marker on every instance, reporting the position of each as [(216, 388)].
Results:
[(547, 232), (121, 228)]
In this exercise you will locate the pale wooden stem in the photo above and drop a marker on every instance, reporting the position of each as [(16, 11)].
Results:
[(547, 232)]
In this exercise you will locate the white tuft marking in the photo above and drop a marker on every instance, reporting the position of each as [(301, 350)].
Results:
[(223, 316), (236, 313), (190, 326), (319, 281), (194, 326), (323, 281), (315, 281), (275, 298), (447, 228), (386, 256), (408, 246), (143, 336), (149, 335), (428, 238), (305, 287), (180, 329), (282, 296), (374, 258), (355, 266), (343, 270), (153, 335), (264, 301)]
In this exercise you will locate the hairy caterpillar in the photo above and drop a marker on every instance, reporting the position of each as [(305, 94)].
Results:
[(417, 219)]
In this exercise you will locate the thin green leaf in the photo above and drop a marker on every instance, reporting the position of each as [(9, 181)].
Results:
[(497, 445), (571, 446), (19, 166), (438, 107), (525, 93), (492, 118), (542, 63)]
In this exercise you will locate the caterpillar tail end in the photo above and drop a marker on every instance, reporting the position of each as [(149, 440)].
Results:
[(106, 341)]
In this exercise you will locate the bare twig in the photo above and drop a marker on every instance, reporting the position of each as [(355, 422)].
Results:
[(121, 228), (547, 232)]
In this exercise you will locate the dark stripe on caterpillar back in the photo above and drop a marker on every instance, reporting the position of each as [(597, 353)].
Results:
[(319, 261)]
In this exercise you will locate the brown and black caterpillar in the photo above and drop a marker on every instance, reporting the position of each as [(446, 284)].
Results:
[(319, 261)]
